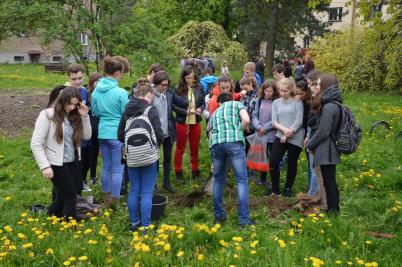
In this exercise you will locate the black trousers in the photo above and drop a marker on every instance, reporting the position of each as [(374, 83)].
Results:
[(331, 187), (278, 150), (94, 156), (167, 159), (66, 180), (85, 161)]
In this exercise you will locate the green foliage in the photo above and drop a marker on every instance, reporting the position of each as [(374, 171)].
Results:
[(367, 58), (200, 38), (235, 55)]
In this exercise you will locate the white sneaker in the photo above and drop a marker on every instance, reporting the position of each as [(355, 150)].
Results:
[(86, 188)]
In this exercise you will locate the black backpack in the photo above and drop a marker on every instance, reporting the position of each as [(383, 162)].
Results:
[(348, 134), (141, 146)]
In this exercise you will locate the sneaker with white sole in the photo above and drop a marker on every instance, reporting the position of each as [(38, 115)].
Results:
[(86, 188)]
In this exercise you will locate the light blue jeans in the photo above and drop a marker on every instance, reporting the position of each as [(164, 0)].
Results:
[(112, 170), (235, 153), (142, 183), (313, 183)]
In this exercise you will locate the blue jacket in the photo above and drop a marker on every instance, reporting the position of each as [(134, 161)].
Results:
[(108, 103), (206, 82)]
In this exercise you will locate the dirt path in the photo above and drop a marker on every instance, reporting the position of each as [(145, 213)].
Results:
[(19, 110)]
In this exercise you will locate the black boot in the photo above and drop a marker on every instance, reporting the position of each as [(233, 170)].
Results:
[(179, 177), (195, 174), (168, 187)]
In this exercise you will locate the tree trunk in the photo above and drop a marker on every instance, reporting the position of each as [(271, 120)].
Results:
[(271, 37)]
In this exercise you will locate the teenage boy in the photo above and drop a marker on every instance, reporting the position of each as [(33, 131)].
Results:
[(227, 144), (278, 72), (75, 75), (249, 71)]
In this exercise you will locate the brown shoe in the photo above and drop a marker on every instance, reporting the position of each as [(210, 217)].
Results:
[(107, 198)]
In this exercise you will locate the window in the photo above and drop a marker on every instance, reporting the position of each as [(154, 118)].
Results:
[(84, 38), (19, 58), (335, 14), (57, 58), (375, 11)]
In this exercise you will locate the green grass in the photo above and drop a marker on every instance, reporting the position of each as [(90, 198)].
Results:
[(370, 189)]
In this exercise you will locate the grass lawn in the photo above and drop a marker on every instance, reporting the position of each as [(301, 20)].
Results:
[(370, 183)]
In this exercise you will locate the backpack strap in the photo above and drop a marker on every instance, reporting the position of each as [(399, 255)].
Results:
[(147, 111)]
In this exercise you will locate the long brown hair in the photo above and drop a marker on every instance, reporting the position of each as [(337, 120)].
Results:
[(182, 87), (74, 117), (93, 78), (326, 80), (265, 85)]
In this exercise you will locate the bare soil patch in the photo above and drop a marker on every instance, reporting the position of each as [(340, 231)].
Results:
[(19, 110)]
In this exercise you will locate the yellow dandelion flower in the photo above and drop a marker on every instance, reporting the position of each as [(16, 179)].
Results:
[(88, 231), (31, 254), (338, 262), (235, 256), (72, 258), (12, 247), (27, 245), (368, 242), (49, 251), (180, 236), (322, 231), (137, 264), (254, 243), (24, 214), (237, 239), (291, 233), (200, 257), (166, 247), (83, 258), (344, 243), (360, 262), (8, 228), (281, 243), (253, 252), (21, 235), (92, 242), (180, 253), (8, 198), (67, 263)]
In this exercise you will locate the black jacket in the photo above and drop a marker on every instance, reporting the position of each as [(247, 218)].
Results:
[(134, 108), (181, 113), (322, 143), (173, 100)]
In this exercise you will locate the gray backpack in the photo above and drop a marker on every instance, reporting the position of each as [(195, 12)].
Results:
[(140, 141)]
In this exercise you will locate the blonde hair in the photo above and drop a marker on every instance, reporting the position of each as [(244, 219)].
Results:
[(289, 83), (250, 65)]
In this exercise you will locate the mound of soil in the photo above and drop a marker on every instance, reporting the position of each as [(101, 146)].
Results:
[(19, 110)]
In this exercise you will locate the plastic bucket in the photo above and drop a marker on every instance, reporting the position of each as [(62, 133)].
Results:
[(158, 206)]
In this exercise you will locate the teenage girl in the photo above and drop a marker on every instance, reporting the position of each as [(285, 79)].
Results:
[(262, 116), (55, 145), (287, 118)]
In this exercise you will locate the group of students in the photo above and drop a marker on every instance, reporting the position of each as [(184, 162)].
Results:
[(77, 122)]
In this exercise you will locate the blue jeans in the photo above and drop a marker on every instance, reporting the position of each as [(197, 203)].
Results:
[(112, 170), (308, 168), (313, 183), (142, 180), (235, 153)]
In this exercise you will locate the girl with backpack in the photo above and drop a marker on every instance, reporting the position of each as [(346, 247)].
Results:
[(262, 117), (55, 145), (108, 103), (322, 143), (287, 118), (188, 120), (142, 176)]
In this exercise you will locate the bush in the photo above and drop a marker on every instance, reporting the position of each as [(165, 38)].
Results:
[(367, 59), (235, 55)]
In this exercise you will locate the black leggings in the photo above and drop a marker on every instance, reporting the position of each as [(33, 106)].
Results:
[(85, 161), (331, 187), (167, 159), (278, 150), (263, 176), (66, 180), (89, 158)]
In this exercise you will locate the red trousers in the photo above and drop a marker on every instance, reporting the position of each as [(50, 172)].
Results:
[(192, 132)]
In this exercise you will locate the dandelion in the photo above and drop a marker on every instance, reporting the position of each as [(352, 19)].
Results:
[(180, 236), (166, 247), (338, 262), (31, 254), (322, 231), (72, 258), (21, 235), (88, 231), (253, 252), (24, 215), (291, 233), (27, 245), (316, 262), (49, 251), (92, 242), (83, 258), (200, 257), (281, 243), (254, 243), (344, 243), (360, 262), (368, 242), (8, 228), (8, 198), (67, 263), (223, 243), (137, 264), (235, 256), (237, 239), (180, 253)]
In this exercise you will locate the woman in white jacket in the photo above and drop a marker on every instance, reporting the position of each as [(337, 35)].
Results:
[(55, 145)]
